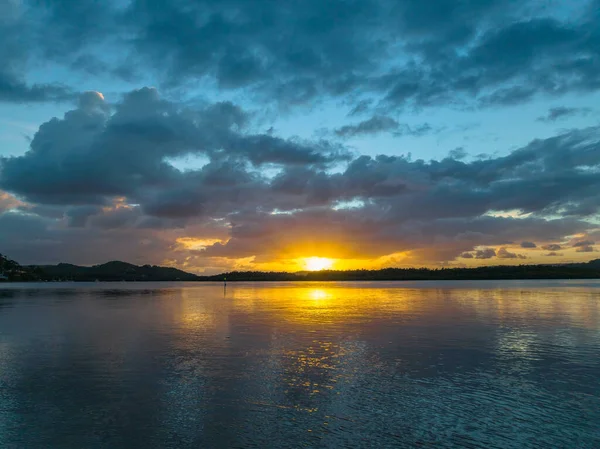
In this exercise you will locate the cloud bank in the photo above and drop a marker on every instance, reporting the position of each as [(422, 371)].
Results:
[(105, 180), (102, 173)]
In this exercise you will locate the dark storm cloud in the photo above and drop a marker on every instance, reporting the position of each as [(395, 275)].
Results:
[(404, 53), (561, 112), (528, 245), (585, 249)]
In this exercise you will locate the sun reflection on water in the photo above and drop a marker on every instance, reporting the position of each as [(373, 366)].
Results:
[(319, 294), (343, 362)]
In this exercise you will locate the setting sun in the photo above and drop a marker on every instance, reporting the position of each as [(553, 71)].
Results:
[(317, 263)]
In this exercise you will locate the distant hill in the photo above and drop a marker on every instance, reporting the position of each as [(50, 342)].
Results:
[(114, 271), (13, 272)]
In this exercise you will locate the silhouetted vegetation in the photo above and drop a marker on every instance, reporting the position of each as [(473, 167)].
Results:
[(121, 271), (589, 270), (114, 271)]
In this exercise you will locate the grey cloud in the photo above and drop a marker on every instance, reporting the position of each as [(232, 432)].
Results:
[(415, 131), (158, 223), (263, 149), (361, 107), (553, 254), (175, 204), (541, 177), (581, 243), (239, 68), (90, 155), (219, 188), (117, 216), (528, 245), (79, 216), (379, 124), (508, 65), (257, 44), (8, 202), (503, 253), (457, 153), (585, 249), (17, 34), (15, 90), (486, 253), (75, 26), (466, 256), (123, 217), (561, 112), (508, 96), (35, 240), (44, 211), (552, 247), (367, 232), (374, 125)]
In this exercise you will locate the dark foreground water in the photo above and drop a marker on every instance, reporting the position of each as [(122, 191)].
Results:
[(276, 365)]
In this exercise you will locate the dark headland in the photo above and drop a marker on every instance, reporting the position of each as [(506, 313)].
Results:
[(122, 271)]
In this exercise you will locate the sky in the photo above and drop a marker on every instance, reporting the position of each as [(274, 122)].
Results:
[(288, 135)]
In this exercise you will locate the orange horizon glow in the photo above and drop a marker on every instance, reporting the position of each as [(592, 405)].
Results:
[(301, 259)]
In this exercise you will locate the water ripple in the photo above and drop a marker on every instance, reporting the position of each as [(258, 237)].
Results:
[(338, 365)]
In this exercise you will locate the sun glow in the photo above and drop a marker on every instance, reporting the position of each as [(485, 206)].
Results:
[(317, 263)]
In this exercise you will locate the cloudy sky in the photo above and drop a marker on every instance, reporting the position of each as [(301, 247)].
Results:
[(253, 134)]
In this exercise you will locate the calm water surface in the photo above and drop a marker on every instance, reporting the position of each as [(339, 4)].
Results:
[(324, 365)]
